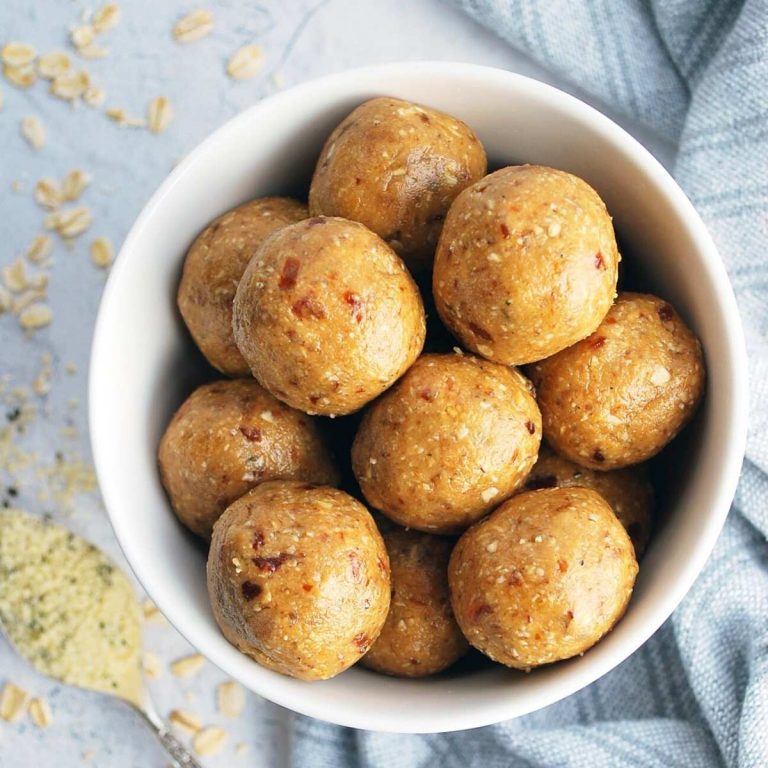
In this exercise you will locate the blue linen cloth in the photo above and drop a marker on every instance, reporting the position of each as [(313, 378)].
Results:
[(696, 694)]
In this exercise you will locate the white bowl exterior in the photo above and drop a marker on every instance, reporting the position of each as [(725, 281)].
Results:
[(141, 371)]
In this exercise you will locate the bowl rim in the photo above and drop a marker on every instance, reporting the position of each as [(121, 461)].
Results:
[(734, 355)]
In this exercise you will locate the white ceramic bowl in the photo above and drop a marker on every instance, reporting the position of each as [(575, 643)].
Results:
[(142, 367)]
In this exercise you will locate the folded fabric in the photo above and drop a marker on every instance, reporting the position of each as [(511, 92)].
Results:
[(697, 693)]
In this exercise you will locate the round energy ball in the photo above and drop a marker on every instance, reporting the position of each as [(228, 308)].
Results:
[(298, 578), (454, 438), (327, 316), (628, 491), (229, 436), (420, 636), (213, 267), (618, 397), (543, 578), (397, 167), (526, 264)]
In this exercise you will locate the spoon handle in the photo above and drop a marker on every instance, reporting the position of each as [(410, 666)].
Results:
[(180, 754)]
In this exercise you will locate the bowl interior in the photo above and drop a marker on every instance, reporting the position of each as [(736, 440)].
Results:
[(143, 367)]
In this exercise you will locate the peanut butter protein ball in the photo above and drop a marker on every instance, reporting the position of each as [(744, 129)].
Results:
[(213, 267), (420, 636), (298, 578), (618, 397), (526, 265), (229, 436), (453, 439), (327, 316), (396, 167), (543, 578)]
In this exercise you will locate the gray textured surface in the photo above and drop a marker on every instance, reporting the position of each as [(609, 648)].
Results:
[(302, 39)]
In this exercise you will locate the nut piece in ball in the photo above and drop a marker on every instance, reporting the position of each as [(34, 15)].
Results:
[(213, 267), (420, 636), (397, 167), (327, 316), (229, 436), (618, 397), (298, 578), (628, 491), (454, 438), (526, 265), (543, 578)]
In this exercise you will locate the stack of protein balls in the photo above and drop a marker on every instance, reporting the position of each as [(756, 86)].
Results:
[(482, 534)]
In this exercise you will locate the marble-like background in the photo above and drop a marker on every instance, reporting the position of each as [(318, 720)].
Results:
[(302, 39)]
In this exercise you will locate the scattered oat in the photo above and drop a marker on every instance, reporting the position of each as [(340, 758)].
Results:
[(48, 193), (94, 96), (231, 699), (187, 666), (102, 253), (15, 275), (82, 36), (107, 17), (39, 249), (121, 117), (492, 546), (88, 754), (21, 77), (54, 64), (185, 720), (39, 281), (69, 222), (23, 300), (151, 665), (74, 184), (93, 51), (40, 712), (71, 369), (246, 62), (33, 131), (42, 384), (18, 54), (194, 26), (209, 741), (159, 114), (268, 417), (660, 376), (35, 316), (241, 748), (71, 85), (489, 493), (149, 609), (12, 702)]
